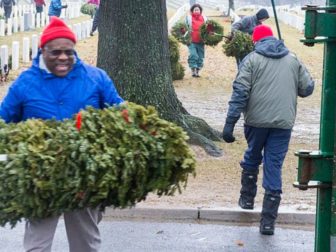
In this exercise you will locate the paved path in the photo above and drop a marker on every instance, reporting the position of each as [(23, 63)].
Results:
[(145, 236)]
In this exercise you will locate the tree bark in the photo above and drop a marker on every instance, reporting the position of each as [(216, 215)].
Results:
[(133, 49)]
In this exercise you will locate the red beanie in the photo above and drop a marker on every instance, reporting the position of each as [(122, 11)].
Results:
[(260, 32), (56, 29)]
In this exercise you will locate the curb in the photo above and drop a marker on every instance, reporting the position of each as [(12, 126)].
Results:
[(211, 215)]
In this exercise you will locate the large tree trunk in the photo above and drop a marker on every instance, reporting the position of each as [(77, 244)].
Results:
[(133, 49)]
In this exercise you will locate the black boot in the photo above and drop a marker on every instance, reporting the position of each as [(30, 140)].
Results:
[(269, 212), (197, 72), (248, 190), (194, 72)]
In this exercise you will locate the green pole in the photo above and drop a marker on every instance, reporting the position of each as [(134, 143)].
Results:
[(276, 19), (320, 27), (325, 218)]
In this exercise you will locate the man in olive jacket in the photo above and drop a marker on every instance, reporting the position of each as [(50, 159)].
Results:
[(265, 90)]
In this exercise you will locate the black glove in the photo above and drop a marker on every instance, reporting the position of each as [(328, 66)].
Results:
[(228, 129), (65, 6), (228, 132)]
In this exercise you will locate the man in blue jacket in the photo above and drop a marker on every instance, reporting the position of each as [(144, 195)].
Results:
[(265, 89), (55, 8), (58, 85)]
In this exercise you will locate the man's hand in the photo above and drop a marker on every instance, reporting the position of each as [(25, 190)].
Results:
[(65, 6), (228, 132)]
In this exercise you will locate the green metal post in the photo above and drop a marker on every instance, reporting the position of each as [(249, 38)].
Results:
[(324, 230), (327, 131), (320, 26), (330, 79)]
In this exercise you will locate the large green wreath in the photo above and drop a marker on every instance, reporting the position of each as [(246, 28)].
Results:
[(88, 9), (212, 33), (238, 44), (111, 157), (182, 33)]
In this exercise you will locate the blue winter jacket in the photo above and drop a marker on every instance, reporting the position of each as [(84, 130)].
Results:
[(37, 93), (55, 8)]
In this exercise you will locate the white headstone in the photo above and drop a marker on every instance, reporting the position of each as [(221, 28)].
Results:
[(34, 47), (15, 11), (32, 21), (25, 50), (88, 27), (47, 20), (15, 24), (72, 13), (22, 23), (2, 27), (83, 30), (20, 10), (77, 10), (78, 31), (4, 55), (38, 20), (9, 26), (15, 55), (43, 19)]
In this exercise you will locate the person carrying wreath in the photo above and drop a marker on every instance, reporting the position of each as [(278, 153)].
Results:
[(248, 23), (95, 21), (57, 86), (194, 21)]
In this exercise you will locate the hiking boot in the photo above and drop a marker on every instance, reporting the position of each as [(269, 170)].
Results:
[(269, 212), (194, 72), (248, 190), (91, 34), (197, 72)]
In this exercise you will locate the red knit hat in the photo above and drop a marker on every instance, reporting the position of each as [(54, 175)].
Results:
[(260, 32), (56, 29)]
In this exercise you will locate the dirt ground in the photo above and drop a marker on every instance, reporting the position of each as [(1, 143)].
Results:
[(217, 182)]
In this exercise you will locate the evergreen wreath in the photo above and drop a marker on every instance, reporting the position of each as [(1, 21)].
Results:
[(110, 157), (238, 44), (88, 9), (212, 33), (182, 33)]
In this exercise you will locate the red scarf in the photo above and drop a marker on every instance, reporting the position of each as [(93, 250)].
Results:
[(196, 23)]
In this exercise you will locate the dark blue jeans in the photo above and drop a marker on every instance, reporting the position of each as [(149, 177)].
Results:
[(270, 146), (95, 21)]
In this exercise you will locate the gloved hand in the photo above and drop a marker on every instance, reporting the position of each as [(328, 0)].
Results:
[(228, 129), (65, 6), (228, 132)]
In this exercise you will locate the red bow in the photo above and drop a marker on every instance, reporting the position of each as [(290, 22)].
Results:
[(79, 121), (210, 28)]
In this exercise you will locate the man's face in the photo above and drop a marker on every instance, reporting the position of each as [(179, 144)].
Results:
[(59, 56)]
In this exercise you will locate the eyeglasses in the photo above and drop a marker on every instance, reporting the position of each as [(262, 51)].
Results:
[(57, 53)]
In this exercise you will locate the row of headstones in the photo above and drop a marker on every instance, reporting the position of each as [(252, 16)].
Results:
[(72, 11), (31, 20), (81, 30)]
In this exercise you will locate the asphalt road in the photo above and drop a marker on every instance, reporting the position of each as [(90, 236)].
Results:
[(149, 236)]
